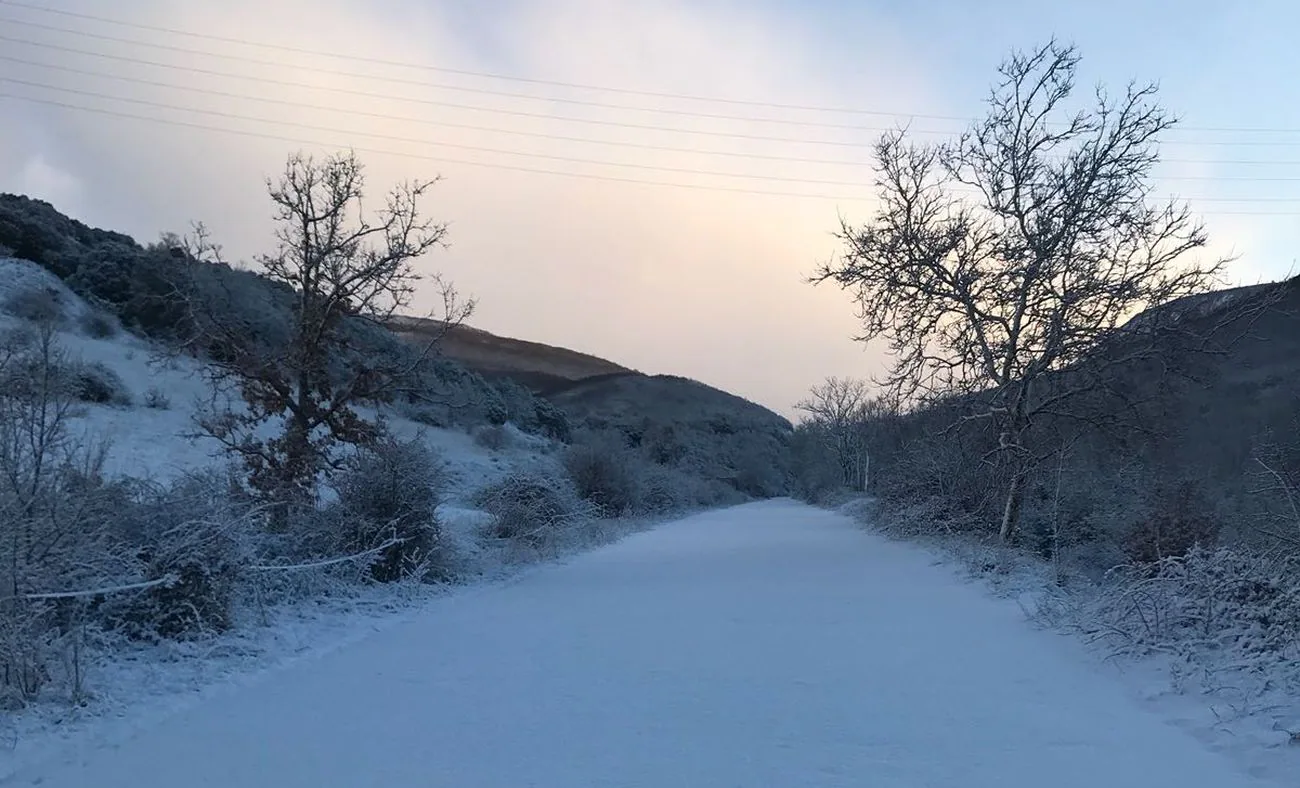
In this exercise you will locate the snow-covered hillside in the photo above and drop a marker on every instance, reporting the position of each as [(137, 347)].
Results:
[(156, 443)]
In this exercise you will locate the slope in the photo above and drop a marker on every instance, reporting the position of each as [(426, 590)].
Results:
[(770, 644), (533, 364)]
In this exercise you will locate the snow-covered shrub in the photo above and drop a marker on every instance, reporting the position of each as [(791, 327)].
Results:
[(1180, 519), (815, 471), (36, 304), (663, 444), (194, 539), (663, 491), (531, 507), (156, 399), (388, 496), (97, 325), (493, 437), (1275, 481), (27, 647), (549, 421), (516, 404), (94, 381), (604, 472), (1211, 602), (35, 369)]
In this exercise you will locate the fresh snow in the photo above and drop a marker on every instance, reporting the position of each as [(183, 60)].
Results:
[(769, 644)]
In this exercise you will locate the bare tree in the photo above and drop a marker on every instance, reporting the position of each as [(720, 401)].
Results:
[(343, 267), (844, 409), (1276, 483), (1017, 250), (48, 475)]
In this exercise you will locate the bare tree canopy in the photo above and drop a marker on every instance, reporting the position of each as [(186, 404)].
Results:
[(341, 264), (1017, 249), (845, 411)]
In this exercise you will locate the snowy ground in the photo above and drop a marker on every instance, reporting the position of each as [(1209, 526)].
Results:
[(766, 645), (1241, 708)]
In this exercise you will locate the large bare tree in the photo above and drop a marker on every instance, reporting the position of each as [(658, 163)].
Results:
[(1015, 251), (342, 267)]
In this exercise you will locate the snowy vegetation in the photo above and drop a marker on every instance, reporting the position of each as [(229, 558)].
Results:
[(1132, 466), (189, 448)]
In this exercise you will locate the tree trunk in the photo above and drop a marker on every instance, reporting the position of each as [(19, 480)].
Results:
[(1011, 512)]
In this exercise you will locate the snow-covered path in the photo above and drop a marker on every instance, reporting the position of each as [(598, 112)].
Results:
[(767, 645)]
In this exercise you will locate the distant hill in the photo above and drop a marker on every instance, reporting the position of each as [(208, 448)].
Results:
[(582, 382), (680, 421), (625, 398), (543, 368)]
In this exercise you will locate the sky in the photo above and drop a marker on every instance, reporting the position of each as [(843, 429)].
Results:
[(651, 182)]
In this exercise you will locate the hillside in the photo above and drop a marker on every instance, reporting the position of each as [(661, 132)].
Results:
[(540, 367), (670, 420), (629, 397)]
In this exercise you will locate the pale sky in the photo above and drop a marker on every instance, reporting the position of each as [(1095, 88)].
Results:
[(705, 282)]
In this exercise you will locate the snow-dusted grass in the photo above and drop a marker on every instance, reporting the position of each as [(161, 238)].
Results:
[(1208, 641)]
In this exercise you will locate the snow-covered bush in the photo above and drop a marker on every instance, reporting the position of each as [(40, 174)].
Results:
[(1180, 519), (156, 399), (531, 507), (194, 539), (28, 647), (605, 472), (815, 472), (760, 465), (1216, 600), (493, 437), (663, 444), (97, 325), (36, 304), (663, 491), (94, 381), (512, 402), (388, 495)]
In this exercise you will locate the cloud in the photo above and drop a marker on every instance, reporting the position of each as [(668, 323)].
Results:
[(39, 178), (665, 279)]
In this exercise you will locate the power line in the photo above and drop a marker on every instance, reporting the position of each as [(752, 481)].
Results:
[(423, 157), (461, 88), (428, 121), (539, 115), (517, 168), (546, 82), (446, 104), (478, 74), (417, 141), (526, 96), (523, 133)]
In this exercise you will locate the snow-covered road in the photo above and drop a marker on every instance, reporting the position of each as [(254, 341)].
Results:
[(767, 645)]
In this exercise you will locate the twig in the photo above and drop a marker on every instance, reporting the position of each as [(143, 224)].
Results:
[(166, 580), (330, 561)]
